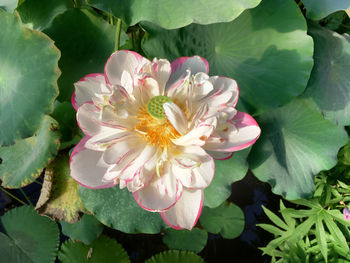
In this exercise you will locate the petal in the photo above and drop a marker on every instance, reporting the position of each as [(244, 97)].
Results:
[(220, 155), (87, 168), (198, 135), (86, 88), (109, 136), (87, 116), (121, 61), (179, 66), (243, 131), (176, 117), (162, 70), (185, 213), (161, 194), (201, 172), (118, 150)]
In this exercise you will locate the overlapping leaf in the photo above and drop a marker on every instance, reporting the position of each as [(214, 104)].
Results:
[(28, 78), (322, 8), (174, 14), (266, 49), (296, 143), (194, 240)]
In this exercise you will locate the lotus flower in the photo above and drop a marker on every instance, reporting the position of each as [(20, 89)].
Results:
[(346, 213), (156, 128)]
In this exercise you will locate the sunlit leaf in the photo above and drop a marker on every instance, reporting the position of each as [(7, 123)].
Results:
[(28, 78)]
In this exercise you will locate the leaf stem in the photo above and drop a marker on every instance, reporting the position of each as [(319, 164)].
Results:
[(14, 197), (117, 34), (26, 197)]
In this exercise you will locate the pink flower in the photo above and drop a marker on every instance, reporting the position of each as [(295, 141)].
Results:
[(155, 127), (346, 213)]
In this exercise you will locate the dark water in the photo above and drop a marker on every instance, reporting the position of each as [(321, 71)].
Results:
[(249, 194)]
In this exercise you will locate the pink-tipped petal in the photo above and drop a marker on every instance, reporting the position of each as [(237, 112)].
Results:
[(119, 149), (220, 155), (87, 169), (179, 66), (243, 131), (161, 194), (187, 210), (225, 92), (87, 118), (120, 61), (86, 88), (176, 117)]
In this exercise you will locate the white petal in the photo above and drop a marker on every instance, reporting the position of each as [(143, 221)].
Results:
[(161, 193), (106, 138), (87, 168), (121, 61), (176, 117), (87, 116), (162, 73), (118, 150), (185, 213), (198, 135)]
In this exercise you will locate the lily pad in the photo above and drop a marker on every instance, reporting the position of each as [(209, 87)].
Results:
[(194, 240), (40, 18), (226, 173), (227, 219), (174, 14), (71, 32), (59, 197), (266, 50), (296, 143), (103, 249), (319, 9), (87, 229), (8, 5), (28, 78), (30, 237), (174, 256), (329, 84), (118, 209), (24, 161)]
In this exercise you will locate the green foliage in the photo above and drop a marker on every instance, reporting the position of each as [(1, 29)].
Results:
[(30, 237), (316, 231), (174, 14), (292, 148), (28, 59), (118, 209), (86, 230), (227, 219), (103, 249), (194, 240), (174, 256), (24, 161), (266, 50)]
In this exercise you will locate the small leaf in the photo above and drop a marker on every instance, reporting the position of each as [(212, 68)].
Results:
[(24, 161), (335, 232), (87, 229), (227, 219), (270, 228), (173, 256), (275, 219), (321, 237), (31, 237), (194, 240), (103, 249), (287, 218), (59, 197)]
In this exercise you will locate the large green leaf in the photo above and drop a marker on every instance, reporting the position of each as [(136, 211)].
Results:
[(28, 75), (24, 161), (103, 249), (174, 14), (86, 41), (30, 237), (8, 5), (227, 219), (59, 197), (40, 18), (87, 229), (174, 256), (296, 143), (266, 49), (194, 240), (226, 173), (118, 209), (329, 84), (317, 9)]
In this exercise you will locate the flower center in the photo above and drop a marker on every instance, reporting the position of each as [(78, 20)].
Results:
[(153, 125)]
